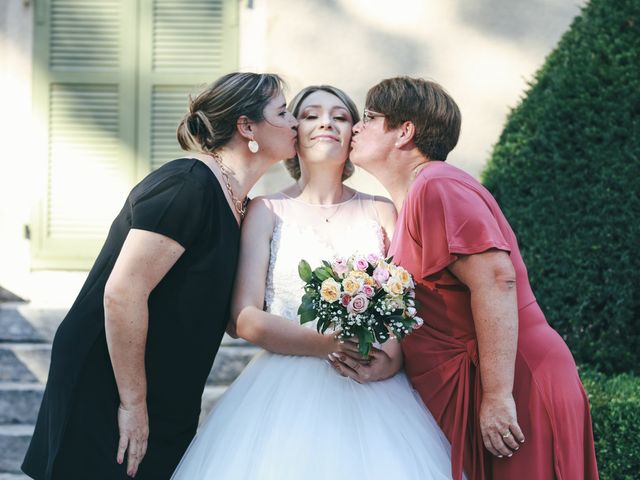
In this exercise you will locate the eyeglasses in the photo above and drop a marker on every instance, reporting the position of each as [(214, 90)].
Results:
[(369, 115)]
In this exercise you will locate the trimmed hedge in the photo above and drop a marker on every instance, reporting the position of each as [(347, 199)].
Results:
[(615, 409), (566, 172)]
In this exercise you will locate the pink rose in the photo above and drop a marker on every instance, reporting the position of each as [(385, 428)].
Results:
[(358, 304), (360, 263), (368, 290), (339, 265), (345, 299), (373, 258), (418, 324), (381, 275)]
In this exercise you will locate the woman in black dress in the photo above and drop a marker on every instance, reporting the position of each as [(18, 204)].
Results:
[(130, 360)]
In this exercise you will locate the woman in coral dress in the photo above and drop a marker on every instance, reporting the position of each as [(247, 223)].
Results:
[(500, 382)]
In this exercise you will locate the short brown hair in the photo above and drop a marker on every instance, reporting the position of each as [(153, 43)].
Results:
[(293, 164), (211, 120), (424, 103)]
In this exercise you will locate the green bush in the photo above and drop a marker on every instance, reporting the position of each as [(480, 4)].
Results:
[(566, 173), (615, 408)]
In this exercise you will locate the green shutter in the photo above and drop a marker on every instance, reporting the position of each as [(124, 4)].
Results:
[(84, 89), (184, 45), (111, 79)]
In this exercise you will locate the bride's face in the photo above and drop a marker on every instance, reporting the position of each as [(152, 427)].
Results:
[(324, 129)]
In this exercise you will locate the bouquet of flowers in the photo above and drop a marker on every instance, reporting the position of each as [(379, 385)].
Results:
[(366, 297)]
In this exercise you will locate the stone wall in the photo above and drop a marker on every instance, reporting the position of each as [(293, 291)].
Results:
[(483, 52)]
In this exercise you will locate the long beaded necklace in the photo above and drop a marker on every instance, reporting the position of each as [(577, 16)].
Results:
[(239, 205)]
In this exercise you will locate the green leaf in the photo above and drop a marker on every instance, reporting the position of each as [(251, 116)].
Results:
[(305, 307), (323, 324), (310, 296), (307, 316), (365, 340), (304, 270), (322, 274)]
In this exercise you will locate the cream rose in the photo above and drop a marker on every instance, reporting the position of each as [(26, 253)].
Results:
[(351, 285), (394, 286), (368, 280), (330, 290), (404, 276)]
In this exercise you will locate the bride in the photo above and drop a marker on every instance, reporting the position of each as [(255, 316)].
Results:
[(289, 415)]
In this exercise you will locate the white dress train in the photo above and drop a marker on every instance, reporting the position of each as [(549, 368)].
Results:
[(293, 417)]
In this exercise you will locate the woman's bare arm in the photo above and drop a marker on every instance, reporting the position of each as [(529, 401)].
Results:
[(491, 280), (271, 332), (145, 258)]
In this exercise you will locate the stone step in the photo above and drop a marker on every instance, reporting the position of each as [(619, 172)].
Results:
[(26, 333), (26, 323), (24, 362), (21, 323), (14, 440), (13, 476), (21, 393), (210, 396), (20, 402), (29, 362), (230, 361)]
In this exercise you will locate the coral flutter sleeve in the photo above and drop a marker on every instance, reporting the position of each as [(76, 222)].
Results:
[(450, 218)]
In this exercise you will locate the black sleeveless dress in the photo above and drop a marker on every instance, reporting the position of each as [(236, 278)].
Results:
[(76, 434)]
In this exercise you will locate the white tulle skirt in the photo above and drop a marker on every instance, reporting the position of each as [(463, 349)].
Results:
[(289, 417)]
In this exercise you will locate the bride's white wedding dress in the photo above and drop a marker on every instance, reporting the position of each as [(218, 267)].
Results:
[(293, 417)]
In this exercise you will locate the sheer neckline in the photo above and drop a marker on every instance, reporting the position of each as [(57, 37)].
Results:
[(325, 205)]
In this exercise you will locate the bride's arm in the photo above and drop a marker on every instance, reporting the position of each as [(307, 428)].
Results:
[(271, 332), (387, 215)]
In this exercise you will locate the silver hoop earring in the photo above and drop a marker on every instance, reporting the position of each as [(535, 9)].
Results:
[(253, 146)]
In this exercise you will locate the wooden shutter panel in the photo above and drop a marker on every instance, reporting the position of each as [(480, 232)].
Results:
[(83, 159), (84, 96), (111, 81), (189, 35), (185, 45)]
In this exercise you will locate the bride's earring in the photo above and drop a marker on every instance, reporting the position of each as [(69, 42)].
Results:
[(253, 146)]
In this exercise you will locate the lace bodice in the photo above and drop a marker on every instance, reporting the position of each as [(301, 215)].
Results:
[(315, 233)]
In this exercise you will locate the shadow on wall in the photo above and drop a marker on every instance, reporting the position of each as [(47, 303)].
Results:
[(533, 21), (331, 43)]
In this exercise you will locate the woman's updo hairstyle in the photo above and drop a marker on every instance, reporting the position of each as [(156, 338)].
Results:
[(293, 164), (211, 120)]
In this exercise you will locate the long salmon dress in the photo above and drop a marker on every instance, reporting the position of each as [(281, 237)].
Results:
[(447, 213)]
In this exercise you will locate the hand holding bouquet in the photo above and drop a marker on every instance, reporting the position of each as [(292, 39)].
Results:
[(365, 297)]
